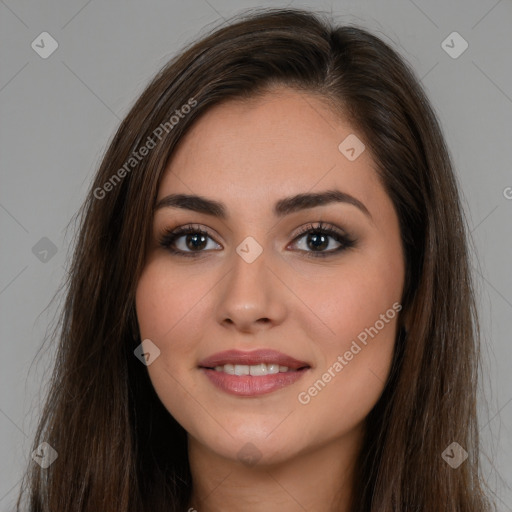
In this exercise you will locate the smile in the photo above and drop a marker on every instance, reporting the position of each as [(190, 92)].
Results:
[(256, 370), (252, 373)]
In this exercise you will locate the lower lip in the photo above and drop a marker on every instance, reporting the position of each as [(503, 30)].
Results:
[(248, 385)]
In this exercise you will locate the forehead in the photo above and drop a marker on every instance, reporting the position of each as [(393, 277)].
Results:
[(256, 151)]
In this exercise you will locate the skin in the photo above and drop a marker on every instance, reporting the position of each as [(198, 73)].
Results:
[(249, 155)]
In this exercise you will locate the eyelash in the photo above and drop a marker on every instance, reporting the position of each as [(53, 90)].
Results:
[(169, 237)]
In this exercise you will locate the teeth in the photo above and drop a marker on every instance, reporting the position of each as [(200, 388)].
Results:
[(255, 370), (241, 369)]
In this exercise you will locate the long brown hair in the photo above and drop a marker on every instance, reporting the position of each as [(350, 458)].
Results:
[(118, 447)]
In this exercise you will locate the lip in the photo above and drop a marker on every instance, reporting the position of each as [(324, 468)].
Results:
[(251, 358), (249, 385)]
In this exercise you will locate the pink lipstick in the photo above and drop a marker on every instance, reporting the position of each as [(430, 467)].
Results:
[(252, 373)]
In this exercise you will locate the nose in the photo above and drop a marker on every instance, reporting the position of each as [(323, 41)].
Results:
[(251, 297)]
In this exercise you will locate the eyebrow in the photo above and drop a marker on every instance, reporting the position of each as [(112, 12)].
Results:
[(282, 207)]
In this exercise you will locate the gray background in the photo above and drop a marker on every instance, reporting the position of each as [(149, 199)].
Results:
[(58, 114)]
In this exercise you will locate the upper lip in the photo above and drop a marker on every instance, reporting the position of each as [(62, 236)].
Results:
[(254, 357)]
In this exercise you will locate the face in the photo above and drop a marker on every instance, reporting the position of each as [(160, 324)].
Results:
[(318, 283)]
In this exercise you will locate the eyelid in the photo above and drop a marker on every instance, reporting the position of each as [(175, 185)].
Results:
[(319, 226), (310, 226)]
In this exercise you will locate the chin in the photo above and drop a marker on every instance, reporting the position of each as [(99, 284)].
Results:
[(253, 446)]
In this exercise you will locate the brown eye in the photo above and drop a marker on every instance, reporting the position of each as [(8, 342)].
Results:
[(194, 240), (318, 239)]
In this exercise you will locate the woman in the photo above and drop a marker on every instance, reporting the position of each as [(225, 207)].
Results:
[(270, 304)]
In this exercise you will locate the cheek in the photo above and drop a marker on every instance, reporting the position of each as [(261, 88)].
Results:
[(355, 366), (171, 321), (361, 308), (355, 298), (171, 307), (168, 320), (168, 301)]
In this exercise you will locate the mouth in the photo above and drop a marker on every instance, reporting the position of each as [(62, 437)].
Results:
[(256, 370), (252, 373)]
